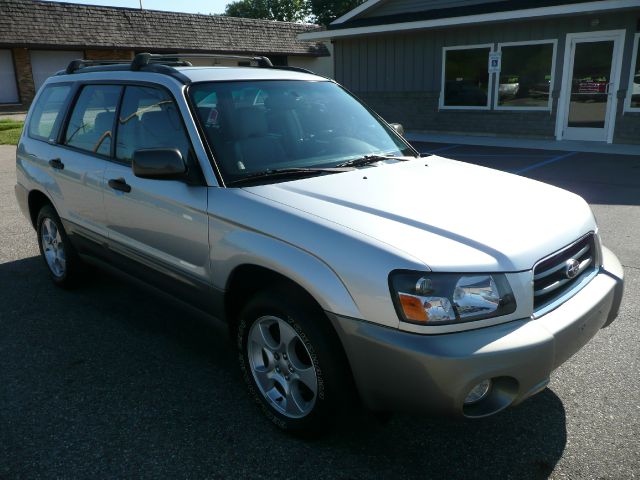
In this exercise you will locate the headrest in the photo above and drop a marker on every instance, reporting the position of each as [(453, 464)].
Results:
[(253, 122), (104, 122)]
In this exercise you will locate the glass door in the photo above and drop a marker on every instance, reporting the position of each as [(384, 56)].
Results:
[(589, 92)]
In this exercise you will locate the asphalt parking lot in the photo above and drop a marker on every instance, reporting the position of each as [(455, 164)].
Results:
[(109, 381)]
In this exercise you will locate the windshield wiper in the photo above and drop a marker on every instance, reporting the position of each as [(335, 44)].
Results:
[(288, 172), (368, 159)]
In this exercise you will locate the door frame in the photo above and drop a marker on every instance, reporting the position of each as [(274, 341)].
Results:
[(618, 36)]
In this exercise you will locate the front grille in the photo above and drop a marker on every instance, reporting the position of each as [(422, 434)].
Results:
[(550, 276)]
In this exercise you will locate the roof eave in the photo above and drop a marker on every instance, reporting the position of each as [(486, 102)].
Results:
[(158, 49), (364, 7), (493, 17)]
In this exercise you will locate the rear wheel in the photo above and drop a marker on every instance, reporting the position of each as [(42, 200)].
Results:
[(293, 363), (57, 252)]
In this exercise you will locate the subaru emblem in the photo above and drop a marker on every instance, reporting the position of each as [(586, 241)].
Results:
[(571, 268)]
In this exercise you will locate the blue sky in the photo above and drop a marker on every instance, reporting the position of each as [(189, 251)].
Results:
[(192, 6)]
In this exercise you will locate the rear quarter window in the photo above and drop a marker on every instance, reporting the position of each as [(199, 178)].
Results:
[(46, 116)]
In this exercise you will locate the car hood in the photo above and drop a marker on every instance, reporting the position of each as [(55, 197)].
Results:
[(449, 215)]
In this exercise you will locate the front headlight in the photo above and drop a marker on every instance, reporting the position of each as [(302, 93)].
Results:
[(446, 298)]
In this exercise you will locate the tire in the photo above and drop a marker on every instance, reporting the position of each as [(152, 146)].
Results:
[(60, 258), (293, 363)]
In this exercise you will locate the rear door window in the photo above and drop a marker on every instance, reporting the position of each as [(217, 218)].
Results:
[(91, 124), (46, 116)]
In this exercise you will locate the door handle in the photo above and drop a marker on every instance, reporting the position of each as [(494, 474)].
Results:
[(56, 163), (120, 184)]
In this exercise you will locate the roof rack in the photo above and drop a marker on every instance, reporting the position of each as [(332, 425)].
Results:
[(164, 64), (143, 59)]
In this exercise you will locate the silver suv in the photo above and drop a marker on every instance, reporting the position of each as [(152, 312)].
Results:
[(353, 273)]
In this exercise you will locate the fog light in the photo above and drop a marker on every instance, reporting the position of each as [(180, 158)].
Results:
[(478, 392)]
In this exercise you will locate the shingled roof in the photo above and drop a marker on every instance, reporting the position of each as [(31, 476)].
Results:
[(29, 23)]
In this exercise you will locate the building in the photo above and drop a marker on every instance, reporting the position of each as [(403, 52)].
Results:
[(39, 38), (525, 68)]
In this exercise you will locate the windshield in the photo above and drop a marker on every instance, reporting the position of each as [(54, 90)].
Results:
[(267, 125)]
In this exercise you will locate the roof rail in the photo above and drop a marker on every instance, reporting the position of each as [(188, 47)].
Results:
[(144, 59), (76, 65), (293, 69)]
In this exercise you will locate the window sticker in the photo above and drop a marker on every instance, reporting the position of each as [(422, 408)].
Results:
[(213, 117)]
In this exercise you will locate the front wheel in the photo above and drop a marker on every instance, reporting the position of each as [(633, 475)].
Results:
[(293, 363)]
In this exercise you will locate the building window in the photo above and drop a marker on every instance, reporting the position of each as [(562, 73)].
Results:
[(633, 103), (465, 77), (526, 75)]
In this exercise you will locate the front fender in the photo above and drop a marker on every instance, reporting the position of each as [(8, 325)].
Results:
[(236, 246)]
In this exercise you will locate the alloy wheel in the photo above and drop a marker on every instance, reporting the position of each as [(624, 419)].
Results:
[(53, 248), (282, 367)]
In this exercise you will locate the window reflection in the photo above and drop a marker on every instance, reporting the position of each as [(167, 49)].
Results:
[(254, 126), (590, 84), (466, 77), (91, 123), (525, 76), (47, 110), (635, 80), (149, 118)]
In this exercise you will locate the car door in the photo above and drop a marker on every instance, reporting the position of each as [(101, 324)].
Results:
[(160, 224), (80, 161)]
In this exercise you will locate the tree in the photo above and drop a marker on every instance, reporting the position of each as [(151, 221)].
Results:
[(322, 12), (282, 10), (326, 11)]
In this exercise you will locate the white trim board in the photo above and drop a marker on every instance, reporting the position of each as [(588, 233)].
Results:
[(618, 37), (524, 14), (356, 11), (635, 65)]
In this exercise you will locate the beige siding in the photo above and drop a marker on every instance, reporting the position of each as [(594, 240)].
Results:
[(320, 65)]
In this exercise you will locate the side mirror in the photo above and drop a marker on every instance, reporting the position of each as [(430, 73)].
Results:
[(398, 128), (159, 163)]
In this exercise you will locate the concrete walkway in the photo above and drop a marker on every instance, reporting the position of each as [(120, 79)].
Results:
[(18, 117), (562, 145)]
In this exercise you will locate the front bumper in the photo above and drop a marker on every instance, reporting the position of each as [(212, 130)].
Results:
[(396, 370)]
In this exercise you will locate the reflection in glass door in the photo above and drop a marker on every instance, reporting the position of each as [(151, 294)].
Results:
[(590, 89), (590, 84)]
